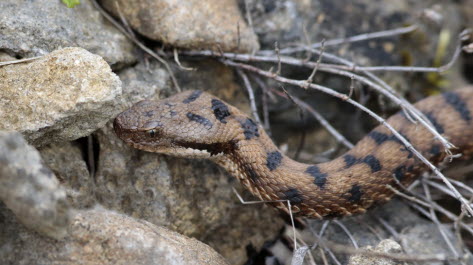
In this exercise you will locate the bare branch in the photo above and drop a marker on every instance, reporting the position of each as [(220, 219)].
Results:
[(251, 95), (20, 61), (356, 38)]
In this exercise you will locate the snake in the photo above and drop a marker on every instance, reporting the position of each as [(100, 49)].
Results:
[(196, 124)]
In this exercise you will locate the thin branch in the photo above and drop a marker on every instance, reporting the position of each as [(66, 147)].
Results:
[(318, 239), (251, 95), (339, 248), (356, 38), (176, 59), (276, 49), (317, 65), (20, 61), (345, 229), (248, 16), (437, 222), (440, 69)]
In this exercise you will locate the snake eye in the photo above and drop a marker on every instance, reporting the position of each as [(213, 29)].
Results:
[(151, 133)]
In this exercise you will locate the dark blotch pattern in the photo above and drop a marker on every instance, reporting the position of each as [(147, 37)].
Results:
[(355, 193), (192, 96), (199, 119), (319, 178), (460, 106), (404, 148), (370, 160), (220, 110), (378, 137), (293, 195), (350, 160), (373, 162), (173, 113), (273, 160), (434, 122), (250, 129), (399, 172)]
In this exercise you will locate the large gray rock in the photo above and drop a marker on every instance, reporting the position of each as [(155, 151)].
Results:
[(34, 28), (144, 80), (102, 237), (67, 162), (194, 24), (29, 188), (59, 97)]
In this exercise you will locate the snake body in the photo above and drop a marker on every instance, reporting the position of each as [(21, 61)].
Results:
[(198, 125)]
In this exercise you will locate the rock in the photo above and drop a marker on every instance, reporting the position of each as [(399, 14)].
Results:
[(5, 57), (35, 28), (67, 162), (100, 236), (144, 80), (59, 97), (192, 24), (388, 246), (29, 188), (425, 239)]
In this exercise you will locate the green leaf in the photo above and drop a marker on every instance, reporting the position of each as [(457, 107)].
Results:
[(71, 3)]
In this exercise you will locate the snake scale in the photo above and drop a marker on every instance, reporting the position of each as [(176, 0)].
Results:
[(196, 124)]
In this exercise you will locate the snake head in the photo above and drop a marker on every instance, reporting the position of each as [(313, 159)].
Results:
[(189, 124)]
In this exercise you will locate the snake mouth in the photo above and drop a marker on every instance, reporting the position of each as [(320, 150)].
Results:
[(212, 149)]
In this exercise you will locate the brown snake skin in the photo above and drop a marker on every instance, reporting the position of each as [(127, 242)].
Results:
[(198, 125)]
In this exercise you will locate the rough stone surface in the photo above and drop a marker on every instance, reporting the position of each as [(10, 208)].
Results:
[(193, 24), (6, 57), (425, 239), (100, 236), (66, 160), (147, 79), (388, 246), (59, 97), (29, 188), (35, 28)]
